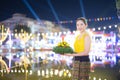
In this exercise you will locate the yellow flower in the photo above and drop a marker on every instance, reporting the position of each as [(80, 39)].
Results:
[(62, 47)]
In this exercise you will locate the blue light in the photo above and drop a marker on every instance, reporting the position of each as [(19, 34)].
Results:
[(31, 10), (82, 8)]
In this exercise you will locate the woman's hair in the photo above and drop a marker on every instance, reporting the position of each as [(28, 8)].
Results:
[(83, 19)]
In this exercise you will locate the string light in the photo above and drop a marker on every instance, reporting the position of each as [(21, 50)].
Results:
[(110, 26), (104, 27), (99, 28), (115, 26), (89, 20), (93, 29)]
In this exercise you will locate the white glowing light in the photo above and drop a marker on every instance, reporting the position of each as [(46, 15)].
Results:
[(110, 26), (104, 27), (38, 72), (99, 28)]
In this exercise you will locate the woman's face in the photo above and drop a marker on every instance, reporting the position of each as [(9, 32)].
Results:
[(81, 26)]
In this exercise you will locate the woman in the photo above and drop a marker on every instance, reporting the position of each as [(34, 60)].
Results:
[(81, 63)]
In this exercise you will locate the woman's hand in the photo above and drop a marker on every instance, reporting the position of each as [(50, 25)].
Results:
[(68, 54)]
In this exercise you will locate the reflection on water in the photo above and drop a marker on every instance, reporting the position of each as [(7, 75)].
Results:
[(46, 65), (37, 59)]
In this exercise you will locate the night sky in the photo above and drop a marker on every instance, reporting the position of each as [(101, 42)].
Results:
[(60, 10)]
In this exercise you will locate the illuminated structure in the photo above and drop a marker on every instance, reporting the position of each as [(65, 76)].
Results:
[(45, 26)]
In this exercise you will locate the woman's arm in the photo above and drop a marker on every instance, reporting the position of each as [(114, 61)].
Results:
[(87, 46)]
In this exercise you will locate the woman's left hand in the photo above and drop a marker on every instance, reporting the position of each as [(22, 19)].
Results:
[(68, 54)]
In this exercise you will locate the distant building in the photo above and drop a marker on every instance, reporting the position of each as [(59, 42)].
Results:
[(36, 26)]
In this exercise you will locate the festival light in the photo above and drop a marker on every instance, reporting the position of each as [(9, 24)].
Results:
[(68, 32), (93, 29), (115, 26), (110, 26), (94, 78), (56, 72), (51, 72), (104, 27), (55, 33), (90, 20), (31, 72), (38, 72), (99, 28)]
